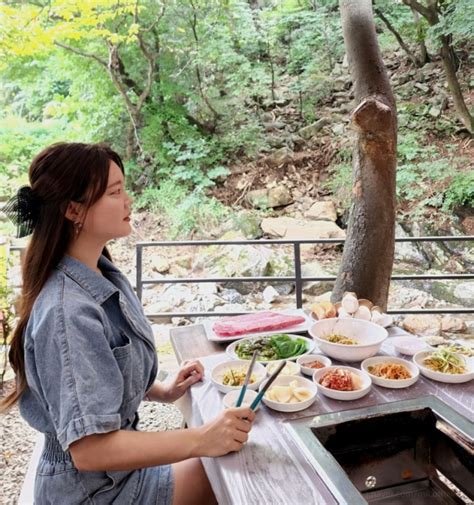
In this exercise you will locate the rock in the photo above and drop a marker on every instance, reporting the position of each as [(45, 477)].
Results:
[(468, 225), (258, 198), (280, 157), (314, 269), (291, 228), (160, 264), (185, 262), (278, 197), (465, 293), (270, 294), (269, 198), (435, 111), (242, 261), (402, 294), (451, 324), (273, 125), (207, 288), (338, 129), (310, 131), (284, 289), (324, 211), (408, 252), (422, 87), (231, 296), (426, 324), (340, 83), (247, 223)]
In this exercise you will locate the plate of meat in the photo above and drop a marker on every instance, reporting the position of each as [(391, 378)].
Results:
[(257, 324)]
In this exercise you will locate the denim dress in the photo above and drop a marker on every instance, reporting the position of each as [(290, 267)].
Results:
[(90, 358)]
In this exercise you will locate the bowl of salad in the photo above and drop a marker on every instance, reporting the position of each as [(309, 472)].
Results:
[(230, 375), (348, 339), (445, 366)]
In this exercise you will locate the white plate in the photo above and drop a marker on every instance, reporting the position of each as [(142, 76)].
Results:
[(284, 380), (407, 345), (303, 360), (444, 377), (219, 370), (298, 328), (391, 383), (230, 350), (343, 395)]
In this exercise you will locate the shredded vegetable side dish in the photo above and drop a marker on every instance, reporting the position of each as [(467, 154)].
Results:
[(393, 371), (445, 362), (236, 377)]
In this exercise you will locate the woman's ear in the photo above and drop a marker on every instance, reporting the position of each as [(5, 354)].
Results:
[(73, 211)]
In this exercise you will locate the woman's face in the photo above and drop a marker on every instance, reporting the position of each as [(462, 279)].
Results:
[(109, 217)]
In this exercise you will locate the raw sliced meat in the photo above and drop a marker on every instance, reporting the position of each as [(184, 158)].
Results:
[(254, 323)]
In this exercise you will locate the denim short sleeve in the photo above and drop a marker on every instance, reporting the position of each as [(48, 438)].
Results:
[(76, 372)]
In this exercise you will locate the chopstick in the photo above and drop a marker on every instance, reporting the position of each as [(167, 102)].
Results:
[(240, 399), (269, 382)]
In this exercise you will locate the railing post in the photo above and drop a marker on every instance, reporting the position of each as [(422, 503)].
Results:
[(298, 281), (139, 271)]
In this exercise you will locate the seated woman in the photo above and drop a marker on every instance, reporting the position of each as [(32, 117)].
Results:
[(83, 351)]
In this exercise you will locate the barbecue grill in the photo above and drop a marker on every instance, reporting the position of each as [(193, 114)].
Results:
[(408, 452)]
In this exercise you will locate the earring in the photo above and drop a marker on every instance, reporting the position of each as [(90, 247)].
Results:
[(77, 228)]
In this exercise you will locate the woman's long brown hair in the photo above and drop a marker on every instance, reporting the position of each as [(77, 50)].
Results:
[(60, 174)]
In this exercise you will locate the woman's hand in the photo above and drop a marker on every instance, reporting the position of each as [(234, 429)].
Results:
[(226, 433), (189, 373)]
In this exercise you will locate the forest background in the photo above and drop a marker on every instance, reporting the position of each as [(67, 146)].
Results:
[(199, 96)]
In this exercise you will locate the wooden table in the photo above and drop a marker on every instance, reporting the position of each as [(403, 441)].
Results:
[(272, 469)]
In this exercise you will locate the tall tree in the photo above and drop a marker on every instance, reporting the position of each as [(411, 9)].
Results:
[(431, 12), (369, 249)]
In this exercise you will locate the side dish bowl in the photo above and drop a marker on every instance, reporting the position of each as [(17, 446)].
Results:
[(231, 397), (363, 378), (303, 361), (391, 383), (218, 372), (449, 378), (286, 380)]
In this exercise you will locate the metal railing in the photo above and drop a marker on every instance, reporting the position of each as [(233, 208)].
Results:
[(297, 278)]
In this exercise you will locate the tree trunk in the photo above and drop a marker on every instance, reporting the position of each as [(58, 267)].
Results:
[(430, 13), (424, 56), (369, 249), (401, 42), (454, 86)]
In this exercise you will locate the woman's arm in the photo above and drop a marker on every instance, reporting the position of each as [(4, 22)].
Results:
[(130, 450)]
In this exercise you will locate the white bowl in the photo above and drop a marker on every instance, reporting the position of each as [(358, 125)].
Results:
[(391, 383), (366, 382), (408, 345), (284, 380), (369, 335), (444, 377), (291, 368), (304, 360), (217, 374), (231, 398)]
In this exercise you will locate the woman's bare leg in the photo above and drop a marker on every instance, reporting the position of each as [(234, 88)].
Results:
[(191, 485)]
